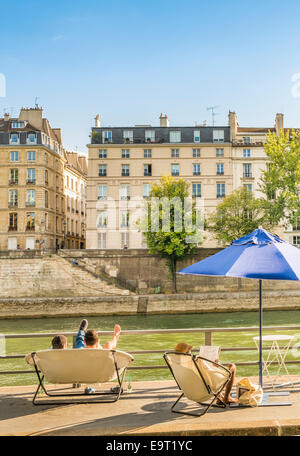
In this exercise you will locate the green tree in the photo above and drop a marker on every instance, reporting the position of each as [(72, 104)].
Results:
[(237, 215), (170, 221), (281, 179)]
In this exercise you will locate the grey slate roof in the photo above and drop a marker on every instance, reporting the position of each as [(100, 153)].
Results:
[(161, 134)]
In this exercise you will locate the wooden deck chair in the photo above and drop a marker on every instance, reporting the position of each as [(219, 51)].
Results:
[(199, 379), (79, 366)]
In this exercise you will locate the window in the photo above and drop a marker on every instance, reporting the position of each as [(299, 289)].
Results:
[(196, 169), (31, 155), (13, 198), (175, 169), (196, 136), (46, 177), (220, 168), (30, 176), (128, 135), (101, 240), (248, 187), (125, 170), (196, 153), (296, 241), (14, 138), (219, 152), (246, 153), (31, 138), (46, 199), (296, 224), (102, 153), (246, 139), (125, 192), (146, 190), (124, 219), (30, 221), (125, 153), (13, 176), (14, 156), (148, 170), (218, 136), (147, 153), (220, 190), (13, 221), (247, 170), (150, 135), (102, 170), (102, 192), (124, 240), (175, 153), (197, 190), (175, 136), (30, 198), (106, 136), (17, 125), (102, 219)]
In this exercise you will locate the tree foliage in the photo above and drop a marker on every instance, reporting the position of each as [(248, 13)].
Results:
[(237, 215), (169, 232), (280, 181)]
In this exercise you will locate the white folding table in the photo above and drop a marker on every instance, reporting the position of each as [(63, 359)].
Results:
[(276, 354)]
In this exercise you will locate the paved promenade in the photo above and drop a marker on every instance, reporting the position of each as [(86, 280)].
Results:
[(145, 411)]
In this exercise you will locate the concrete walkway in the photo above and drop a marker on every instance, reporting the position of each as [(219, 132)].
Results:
[(145, 411)]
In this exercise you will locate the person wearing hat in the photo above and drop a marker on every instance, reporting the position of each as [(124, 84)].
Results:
[(182, 347)]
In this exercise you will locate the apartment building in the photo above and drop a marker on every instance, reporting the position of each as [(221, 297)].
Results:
[(32, 201), (124, 162), (75, 174)]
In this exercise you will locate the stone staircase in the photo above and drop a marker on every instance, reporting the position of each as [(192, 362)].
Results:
[(51, 276)]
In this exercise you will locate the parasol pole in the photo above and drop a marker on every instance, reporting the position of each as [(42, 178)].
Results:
[(260, 334)]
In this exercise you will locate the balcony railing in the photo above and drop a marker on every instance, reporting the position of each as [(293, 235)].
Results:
[(13, 204), (30, 228), (12, 228), (30, 203), (30, 181), (13, 182), (125, 198), (247, 175)]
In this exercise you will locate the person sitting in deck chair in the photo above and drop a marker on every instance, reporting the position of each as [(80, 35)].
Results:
[(90, 338), (59, 342), (182, 347)]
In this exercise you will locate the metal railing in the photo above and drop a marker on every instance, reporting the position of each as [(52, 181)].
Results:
[(208, 340)]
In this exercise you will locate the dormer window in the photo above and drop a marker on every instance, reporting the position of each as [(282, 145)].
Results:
[(175, 136), (17, 125), (106, 136), (150, 135), (14, 138), (31, 138), (128, 136)]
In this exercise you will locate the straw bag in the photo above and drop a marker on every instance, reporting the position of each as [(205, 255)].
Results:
[(248, 393)]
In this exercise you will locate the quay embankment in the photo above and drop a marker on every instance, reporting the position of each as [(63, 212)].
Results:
[(145, 411), (37, 284)]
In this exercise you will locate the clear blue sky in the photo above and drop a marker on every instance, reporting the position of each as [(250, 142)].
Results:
[(130, 60)]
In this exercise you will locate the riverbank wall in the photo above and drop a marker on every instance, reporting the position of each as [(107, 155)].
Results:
[(147, 304)]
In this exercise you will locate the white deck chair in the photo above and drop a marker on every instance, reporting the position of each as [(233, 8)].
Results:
[(199, 379), (84, 366)]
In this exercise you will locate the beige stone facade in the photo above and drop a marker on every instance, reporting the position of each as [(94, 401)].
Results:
[(33, 163), (123, 163), (75, 200)]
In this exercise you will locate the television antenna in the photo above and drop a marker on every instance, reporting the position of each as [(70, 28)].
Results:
[(213, 113), (35, 102)]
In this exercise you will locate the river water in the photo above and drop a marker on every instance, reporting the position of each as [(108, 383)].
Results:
[(148, 342)]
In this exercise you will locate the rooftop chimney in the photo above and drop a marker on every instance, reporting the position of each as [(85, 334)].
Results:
[(279, 122), (33, 115), (6, 117), (97, 121), (233, 124), (164, 121)]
